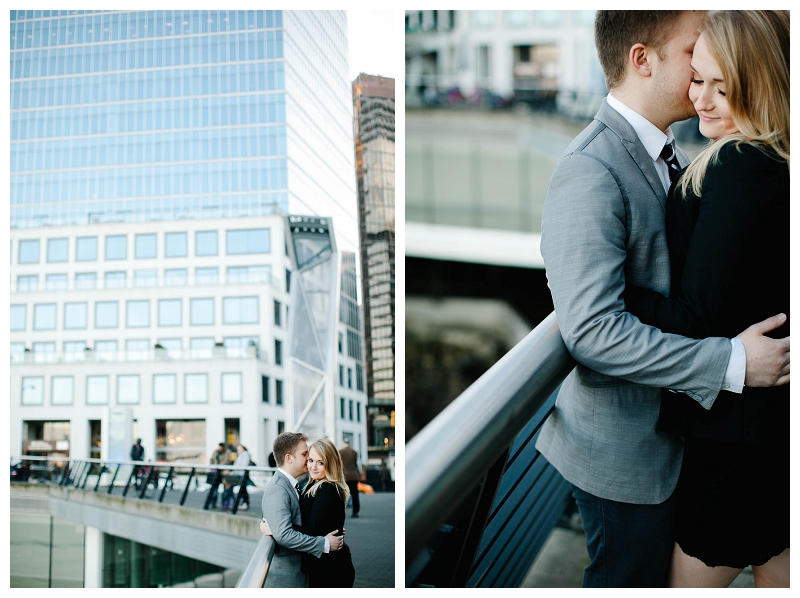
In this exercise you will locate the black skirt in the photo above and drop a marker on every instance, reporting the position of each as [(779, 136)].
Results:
[(733, 502)]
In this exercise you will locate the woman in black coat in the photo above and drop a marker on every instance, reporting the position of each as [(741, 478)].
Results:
[(728, 231)]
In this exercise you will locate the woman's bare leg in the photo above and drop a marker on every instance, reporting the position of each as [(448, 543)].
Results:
[(688, 572), (774, 573)]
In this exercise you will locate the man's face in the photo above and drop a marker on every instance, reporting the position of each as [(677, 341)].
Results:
[(297, 462), (672, 75)]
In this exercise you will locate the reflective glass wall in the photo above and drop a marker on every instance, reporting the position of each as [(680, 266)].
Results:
[(146, 115)]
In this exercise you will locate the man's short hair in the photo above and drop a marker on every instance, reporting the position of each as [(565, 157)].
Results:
[(615, 31), (285, 444)]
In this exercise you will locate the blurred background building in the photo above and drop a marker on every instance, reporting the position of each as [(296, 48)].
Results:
[(184, 229), (373, 100)]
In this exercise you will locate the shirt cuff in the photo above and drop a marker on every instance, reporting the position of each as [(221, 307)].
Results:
[(737, 366), (327, 548)]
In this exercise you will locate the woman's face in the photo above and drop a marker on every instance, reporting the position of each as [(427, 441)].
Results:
[(316, 468), (707, 93)]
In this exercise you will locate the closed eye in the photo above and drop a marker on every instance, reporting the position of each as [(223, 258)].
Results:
[(697, 81)]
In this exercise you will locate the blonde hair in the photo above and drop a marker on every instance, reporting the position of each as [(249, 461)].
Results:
[(751, 48), (334, 470)]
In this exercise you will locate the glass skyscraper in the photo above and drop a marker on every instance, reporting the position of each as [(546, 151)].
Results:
[(158, 115)]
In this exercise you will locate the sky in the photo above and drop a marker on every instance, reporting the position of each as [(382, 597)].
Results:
[(375, 40)]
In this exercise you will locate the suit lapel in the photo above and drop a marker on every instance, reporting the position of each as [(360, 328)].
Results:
[(288, 485), (630, 141)]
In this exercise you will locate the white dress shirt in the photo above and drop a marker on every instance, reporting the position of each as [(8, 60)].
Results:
[(653, 140)]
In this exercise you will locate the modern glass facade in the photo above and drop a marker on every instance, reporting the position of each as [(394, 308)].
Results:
[(159, 115)]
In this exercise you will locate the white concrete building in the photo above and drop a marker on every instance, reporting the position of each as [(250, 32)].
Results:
[(184, 326)]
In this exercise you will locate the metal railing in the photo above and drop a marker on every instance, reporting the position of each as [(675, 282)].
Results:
[(257, 569), (145, 480), (455, 483)]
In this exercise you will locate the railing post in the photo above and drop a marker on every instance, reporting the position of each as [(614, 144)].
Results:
[(186, 490), (152, 471), (214, 486), (128, 484), (242, 486), (164, 489), (113, 479), (100, 476)]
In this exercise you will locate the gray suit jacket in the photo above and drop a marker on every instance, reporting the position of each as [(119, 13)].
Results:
[(602, 228), (281, 508)]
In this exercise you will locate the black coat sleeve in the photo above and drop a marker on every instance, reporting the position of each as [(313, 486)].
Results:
[(735, 237)]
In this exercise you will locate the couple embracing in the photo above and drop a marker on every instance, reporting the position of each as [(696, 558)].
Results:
[(307, 523), (674, 427)]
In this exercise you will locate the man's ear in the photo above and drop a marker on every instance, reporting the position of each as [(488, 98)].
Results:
[(639, 59)]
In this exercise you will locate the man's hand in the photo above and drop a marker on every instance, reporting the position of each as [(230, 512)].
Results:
[(264, 527), (335, 541), (767, 358)]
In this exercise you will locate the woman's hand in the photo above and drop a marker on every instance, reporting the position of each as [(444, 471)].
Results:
[(264, 527)]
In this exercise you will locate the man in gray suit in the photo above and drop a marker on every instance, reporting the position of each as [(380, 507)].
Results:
[(281, 509), (602, 228)]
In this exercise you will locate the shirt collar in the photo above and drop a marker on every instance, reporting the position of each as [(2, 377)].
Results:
[(291, 479), (653, 139)]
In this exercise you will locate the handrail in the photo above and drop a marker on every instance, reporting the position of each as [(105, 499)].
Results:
[(256, 572), (445, 459)]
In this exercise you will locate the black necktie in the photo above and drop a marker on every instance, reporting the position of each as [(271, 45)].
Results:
[(669, 156), (297, 487)]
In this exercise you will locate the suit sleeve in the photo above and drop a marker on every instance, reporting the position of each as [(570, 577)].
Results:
[(326, 511), (275, 506), (584, 233), (737, 201)]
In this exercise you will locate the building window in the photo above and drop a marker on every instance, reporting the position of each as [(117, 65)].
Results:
[(175, 245), (57, 250), (549, 18), (350, 409), (26, 284), (240, 310), (75, 316), (19, 316), (358, 411), (278, 392), (288, 280), (116, 247), (359, 377), (146, 246), (236, 346), (232, 387), (201, 348), (278, 352), (341, 376), (341, 343), (44, 316), (86, 280), (61, 390), (248, 274), (28, 252), (138, 314), (86, 249), (105, 350), (137, 349), (354, 345), (205, 243), (145, 278), (97, 390), (196, 388), (349, 377), (55, 282), (74, 351), (170, 312), (176, 277), (264, 389), (205, 276), (128, 389), (32, 390), (44, 352), (341, 407), (190, 447), (277, 313), (202, 312), (115, 280), (105, 314), (241, 242), (173, 346), (164, 388), (17, 352)]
